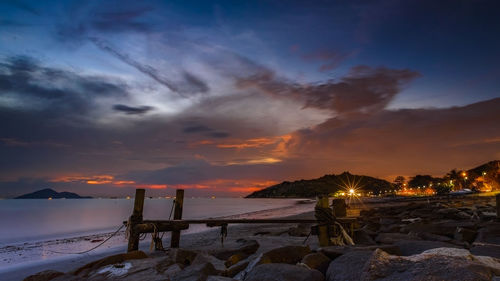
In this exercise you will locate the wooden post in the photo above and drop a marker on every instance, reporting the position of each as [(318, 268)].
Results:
[(498, 205), (339, 207), (135, 218), (324, 239), (179, 201)]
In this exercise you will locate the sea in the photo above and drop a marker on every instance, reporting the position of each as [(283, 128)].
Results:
[(39, 229)]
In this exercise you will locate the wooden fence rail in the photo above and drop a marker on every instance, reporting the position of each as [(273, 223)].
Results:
[(137, 226)]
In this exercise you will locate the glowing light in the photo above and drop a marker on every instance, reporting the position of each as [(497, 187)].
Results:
[(50, 198), (464, 174), (128, 197), (351, 191)]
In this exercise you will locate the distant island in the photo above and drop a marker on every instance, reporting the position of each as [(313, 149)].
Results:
[(50, 193), (483, 178)]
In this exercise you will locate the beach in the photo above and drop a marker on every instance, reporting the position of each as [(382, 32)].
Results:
[(21, 259)]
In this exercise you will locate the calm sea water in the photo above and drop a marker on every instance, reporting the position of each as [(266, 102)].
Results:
[(29, 220)]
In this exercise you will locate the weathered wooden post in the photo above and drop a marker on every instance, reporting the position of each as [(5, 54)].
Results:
[(498, 205), (324, 239), (339, 207), (135, 218), (179, 201)]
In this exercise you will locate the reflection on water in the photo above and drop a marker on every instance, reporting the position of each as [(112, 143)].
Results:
[(28, 220)]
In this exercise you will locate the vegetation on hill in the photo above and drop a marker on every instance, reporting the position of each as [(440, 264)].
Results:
[(325, 185)]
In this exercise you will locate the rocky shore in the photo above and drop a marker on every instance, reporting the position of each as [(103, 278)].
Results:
[(451, 240)]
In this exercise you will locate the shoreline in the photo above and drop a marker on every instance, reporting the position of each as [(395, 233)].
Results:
[(198, 236)]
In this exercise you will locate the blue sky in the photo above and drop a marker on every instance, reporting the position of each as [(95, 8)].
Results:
[(234, 84)]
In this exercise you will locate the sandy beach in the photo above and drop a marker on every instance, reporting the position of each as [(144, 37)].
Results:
[(203, 238)]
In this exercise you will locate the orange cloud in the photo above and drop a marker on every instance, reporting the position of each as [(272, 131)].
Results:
[(152, 186)]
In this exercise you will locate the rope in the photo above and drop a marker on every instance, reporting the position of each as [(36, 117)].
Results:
[(326, 215), (83, 252)]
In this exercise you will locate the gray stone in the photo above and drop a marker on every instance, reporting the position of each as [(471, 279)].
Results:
[(197, 272), (433, 265), (237, 268), (283, 272), (317, 261), (489, 234), (348, 266), (491, 250), (247, 247), (391, 238), (45, 275), (334, 252), (202, 258), (413, 247), (287, 254), (362, 237), (465, 235)]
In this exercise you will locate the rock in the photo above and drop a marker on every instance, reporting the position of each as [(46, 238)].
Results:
[(115, 259), (197, 272), (334, 252), (247, 247), (347, 267), (218, 278), (462, 216), (234, 259), (283, 272), (388, 221), (489, 234), (390, 228), (301, 230), (45, 275), (287, 254), (237, 268), (182, 256), (413, 247), (436, 264), (362, 237), (202, 258), (491, 250), (433, 237), (391, 238), (316, 261), (465, 235)]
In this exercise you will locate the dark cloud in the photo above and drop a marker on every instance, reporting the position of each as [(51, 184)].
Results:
[(35, 87), (196, 129), (209, 132), (189, 85), (131, 110), (363, 90), (219, 135)]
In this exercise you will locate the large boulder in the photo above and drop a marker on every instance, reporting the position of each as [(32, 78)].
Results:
[(433, 265), (316, 261), (490, 234), (334, 252), (247, 247), (115, 259), (196, 272), (202, 258), (347, 267), (362, 237), (283, 272), (391, 238), (491, 250), (44, 276), (287, 254), (413, 247)]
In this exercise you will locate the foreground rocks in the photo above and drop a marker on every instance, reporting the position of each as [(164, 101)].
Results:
[(420, 241)]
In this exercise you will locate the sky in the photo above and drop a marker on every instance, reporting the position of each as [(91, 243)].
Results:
[(227, 97)]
